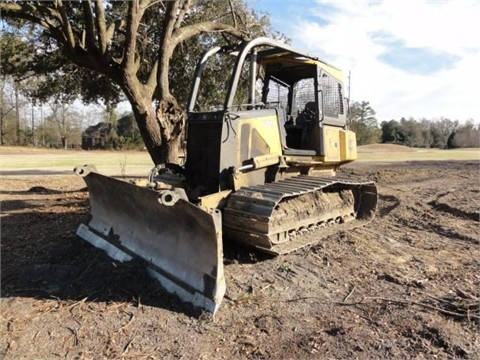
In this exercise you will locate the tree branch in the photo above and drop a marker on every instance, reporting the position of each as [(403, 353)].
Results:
[(25, 8), (183, 11), (152, 79), (113, 27), (70, 37), (149, 3), (89, 27), (133, 20), (170, 20), (190, 31), (233, 14), (22, 11), (101, 25), (166, 48)]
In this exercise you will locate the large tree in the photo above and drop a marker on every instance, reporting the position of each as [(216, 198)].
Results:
[(132, 44)]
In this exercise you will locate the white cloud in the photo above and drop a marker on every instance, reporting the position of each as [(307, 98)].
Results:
[(342, 33)]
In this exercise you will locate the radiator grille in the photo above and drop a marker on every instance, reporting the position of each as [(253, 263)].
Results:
[(203, 153)]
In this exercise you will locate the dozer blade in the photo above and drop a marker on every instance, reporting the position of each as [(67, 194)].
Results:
[(180, 243)]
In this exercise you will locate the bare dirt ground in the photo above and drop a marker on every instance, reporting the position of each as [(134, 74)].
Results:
[(405, 286)]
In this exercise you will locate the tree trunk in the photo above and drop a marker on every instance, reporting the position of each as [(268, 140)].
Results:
[(171, 118), (17, 115), (1, 129), (145, 118), (161, 130)]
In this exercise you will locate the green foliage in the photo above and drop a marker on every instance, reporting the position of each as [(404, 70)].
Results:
[(420, 133), (16, 56), (216, 75), (364, 123), (46, 74), (127, 127), (439, 133), (8, 123), (29, 51), (130, 143)]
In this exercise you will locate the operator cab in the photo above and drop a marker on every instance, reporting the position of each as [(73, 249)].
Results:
[(309, 95), (305, 92)]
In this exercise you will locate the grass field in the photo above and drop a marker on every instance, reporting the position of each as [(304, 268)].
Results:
[(14, 160), (389, 153)]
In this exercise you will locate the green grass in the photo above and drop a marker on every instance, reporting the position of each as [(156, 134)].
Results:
[(66, 159), (420, 155), (109, 162)]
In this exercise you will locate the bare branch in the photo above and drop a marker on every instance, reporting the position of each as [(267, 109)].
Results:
[(190, 31), (149, 3), (8, 9), (101, 25), (82, 41), (66, 25), (183, 11), (89, 27), (115, 26), (233, 14), (166, 48), (23, 11), (170, 19), (152, 79), (133, 20)]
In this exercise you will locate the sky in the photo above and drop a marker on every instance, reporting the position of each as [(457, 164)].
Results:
[(408, 58)]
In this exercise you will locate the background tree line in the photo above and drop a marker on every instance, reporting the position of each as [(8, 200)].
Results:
[(440, 133), (26, 120), (48, 122)]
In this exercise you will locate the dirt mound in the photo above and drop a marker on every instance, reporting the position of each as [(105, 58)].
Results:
[(384, 148)]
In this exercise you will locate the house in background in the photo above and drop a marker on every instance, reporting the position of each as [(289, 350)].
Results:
[(96, 136)]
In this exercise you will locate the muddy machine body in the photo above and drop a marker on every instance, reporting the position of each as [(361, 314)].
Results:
[(260, 169)]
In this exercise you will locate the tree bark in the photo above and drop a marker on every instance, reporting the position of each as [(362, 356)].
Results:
[(161, 130), (171, 118), (161, 141), (17, 115)]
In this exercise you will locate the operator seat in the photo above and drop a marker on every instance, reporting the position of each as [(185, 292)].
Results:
[(300, 136), (308, 113)]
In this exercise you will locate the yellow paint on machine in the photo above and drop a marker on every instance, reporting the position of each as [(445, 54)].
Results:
[(340, 145), (348, 145), (259, 136)]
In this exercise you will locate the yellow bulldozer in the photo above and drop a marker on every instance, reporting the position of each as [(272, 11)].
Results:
[(260, 169)]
